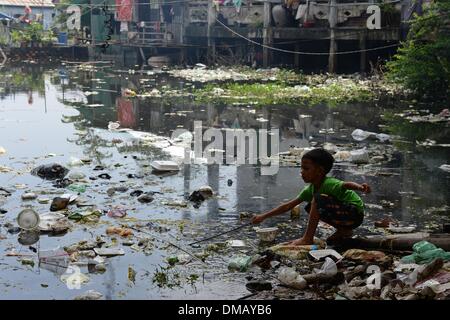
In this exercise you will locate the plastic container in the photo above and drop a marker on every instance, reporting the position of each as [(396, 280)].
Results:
[(62, 38), (324, 253), (28, 219), (267, 234), (281, 16), (239, 263), (165, 166), (291, 278), (48, 220), (359, 156)]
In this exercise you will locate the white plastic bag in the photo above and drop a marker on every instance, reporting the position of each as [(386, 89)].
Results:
[(74, 162), (360, 156), (329, 267), (291, 278), (383, 137), (360, 135)]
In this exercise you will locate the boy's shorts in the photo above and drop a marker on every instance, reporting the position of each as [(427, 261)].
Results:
[(336, 213)]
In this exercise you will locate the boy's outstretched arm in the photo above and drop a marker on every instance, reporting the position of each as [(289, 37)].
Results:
[(278, 210), (356, 186)]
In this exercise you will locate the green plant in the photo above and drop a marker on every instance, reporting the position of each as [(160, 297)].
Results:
[(422, 63), (32, 33), (390, 16), (3, 40), (61, 18), (388, 8)]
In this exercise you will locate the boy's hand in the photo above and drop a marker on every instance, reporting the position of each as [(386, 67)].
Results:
[(258, 218), (365, 188)]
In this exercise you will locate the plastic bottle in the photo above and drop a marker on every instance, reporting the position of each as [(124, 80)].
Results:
[(308, 247)]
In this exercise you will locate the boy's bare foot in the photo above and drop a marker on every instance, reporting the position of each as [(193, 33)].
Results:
[(340, 234), (300, 242)]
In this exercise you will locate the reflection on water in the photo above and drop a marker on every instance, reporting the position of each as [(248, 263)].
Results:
[(69, 115)]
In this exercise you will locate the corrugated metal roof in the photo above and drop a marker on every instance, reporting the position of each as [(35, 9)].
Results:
[(30, 3)]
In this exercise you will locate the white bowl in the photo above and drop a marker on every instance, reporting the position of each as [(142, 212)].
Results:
[(267, 234)]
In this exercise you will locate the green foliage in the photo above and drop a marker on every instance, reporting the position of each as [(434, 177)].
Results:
[(281, 93), (423, 62), (32, 33), (3, 40), (387, 8), (62, 16)]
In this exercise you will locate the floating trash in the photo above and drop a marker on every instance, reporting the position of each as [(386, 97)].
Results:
[(28, 219), (165, 166)]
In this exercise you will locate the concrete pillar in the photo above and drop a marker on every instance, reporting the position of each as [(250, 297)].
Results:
[(332, 59), (267, 34)]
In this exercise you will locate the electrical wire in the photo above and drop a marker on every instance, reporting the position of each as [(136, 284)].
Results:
[(90, 7), (300, 52)]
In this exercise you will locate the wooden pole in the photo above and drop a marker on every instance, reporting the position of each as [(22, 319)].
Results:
[(363, 54), (297, 56), (403, 242), (267, 33), (332, 61), (210, 36)]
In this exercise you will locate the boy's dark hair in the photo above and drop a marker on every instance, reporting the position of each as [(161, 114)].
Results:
[(320, 157)]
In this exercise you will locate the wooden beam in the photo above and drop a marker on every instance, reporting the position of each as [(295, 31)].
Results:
[(332, 59), (297, 56), (267, 33), (211, 40), (363, 53)]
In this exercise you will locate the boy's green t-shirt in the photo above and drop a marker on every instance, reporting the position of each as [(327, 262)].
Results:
[(333, 187)]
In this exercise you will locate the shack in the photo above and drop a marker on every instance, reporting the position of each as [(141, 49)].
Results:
[(42, 11)]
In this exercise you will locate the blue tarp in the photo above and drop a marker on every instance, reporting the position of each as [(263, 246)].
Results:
[(5, 17)]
